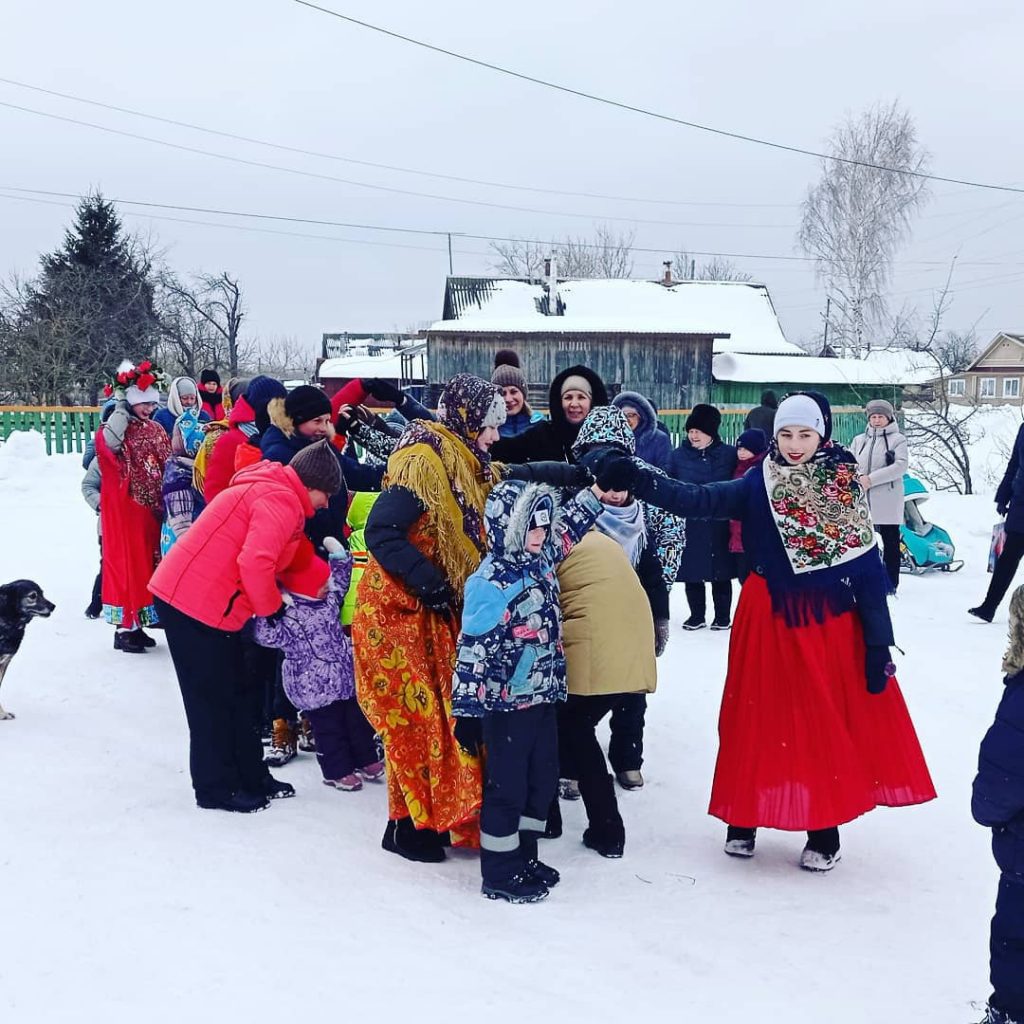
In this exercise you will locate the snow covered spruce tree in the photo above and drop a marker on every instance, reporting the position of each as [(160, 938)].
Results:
[(90, 307), (859, 213)]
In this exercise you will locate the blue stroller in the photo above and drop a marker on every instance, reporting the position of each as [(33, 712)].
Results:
[(923, 545)]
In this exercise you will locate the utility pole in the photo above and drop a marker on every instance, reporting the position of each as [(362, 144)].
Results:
[(693, 269), (450, 270), (828, 307)]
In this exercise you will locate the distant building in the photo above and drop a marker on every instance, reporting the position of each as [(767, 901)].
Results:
[(994, 378), (658, 338), (398, 358)]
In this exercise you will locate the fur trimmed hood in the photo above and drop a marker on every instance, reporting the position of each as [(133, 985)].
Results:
[(280, 419), (510, 507)]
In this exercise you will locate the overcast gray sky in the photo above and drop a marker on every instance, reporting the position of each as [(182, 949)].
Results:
[(281, 72)]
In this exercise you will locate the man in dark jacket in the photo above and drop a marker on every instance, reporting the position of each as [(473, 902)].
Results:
[(1009, 503), (703, 459), (573, 393), (763, 416), (998, 803)]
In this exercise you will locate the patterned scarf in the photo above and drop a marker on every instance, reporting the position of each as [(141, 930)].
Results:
[(145, 451), (626, 526), (819, 508), (441, 465)]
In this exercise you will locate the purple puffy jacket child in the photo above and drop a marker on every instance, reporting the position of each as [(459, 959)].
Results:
[(318, 673)]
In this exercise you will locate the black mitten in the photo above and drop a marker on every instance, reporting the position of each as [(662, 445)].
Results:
[(878, 668)]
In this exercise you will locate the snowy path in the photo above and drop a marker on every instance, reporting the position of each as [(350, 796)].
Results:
[(122, 902)]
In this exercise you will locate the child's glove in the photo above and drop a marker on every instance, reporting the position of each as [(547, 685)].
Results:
[(469, 735), (286, 603), (878, 668), (1002, 508), (661, 633), (335, 549), (384, 391), (439, 599)]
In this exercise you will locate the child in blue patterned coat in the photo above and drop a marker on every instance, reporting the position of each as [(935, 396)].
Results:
[(510, 674)]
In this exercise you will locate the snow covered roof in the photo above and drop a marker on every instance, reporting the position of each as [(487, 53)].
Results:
[(387, 365), (902, 366), (803, 369), (741, 314)]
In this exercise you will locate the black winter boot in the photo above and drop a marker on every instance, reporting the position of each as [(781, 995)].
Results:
[(240, 802), (739, 842), (126, 641), (535, 868), (520, 888), (822, 850), (416, 844)]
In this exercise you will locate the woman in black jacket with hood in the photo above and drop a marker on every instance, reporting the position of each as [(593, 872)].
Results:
[(573, 393)]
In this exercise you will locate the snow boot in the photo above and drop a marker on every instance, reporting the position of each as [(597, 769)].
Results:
[(276, 789), (306, 740), (520, 888), (739, 842), (568, 789), (282, 746), (720, 624), (143, 638), (126, 641), (374, 772), (535, 868), (95, 610), (981, 612), (239, 802), (694, 622), (608, 846), (822, 850), (403, 838), (347, 783), (553, 825), (630, 780)]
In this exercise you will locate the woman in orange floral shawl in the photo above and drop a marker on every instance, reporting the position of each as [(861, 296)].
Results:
[(425, 536)]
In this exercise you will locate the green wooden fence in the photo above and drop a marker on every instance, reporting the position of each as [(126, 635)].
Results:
[(847, 422), (64, 428)]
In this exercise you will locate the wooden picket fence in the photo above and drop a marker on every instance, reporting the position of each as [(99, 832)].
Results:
[(64, 428)]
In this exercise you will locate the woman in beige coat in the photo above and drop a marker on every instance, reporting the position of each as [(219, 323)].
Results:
[(609, 650), (882, 458)]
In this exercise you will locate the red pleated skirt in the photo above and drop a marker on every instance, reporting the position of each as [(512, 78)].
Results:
[(802, 744)]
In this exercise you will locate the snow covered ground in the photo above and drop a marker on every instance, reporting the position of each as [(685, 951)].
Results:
[(121, 902)]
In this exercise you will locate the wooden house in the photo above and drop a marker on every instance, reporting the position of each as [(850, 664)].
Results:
[(994, 378), (654, 337)]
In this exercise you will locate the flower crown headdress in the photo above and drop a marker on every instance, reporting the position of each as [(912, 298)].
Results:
[(143, 376)]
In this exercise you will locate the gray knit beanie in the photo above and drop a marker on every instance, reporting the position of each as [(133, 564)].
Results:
[(317, 467), (506, 376), (880, 405)]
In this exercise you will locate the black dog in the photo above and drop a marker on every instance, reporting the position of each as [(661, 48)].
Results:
[(20, 602)]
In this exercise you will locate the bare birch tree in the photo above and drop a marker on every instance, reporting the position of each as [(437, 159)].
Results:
[(856, 216), (687, 268)]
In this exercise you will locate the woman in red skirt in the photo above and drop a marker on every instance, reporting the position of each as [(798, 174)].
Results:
[(813, 729)]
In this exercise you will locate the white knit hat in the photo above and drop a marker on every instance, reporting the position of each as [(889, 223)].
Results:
[(136, 396), (799, 411)]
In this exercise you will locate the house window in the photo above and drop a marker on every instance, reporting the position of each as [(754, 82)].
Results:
[(987, 387), (957, 387), (1011, 387)]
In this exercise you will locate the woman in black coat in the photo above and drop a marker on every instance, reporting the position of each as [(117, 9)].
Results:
[(573, 393), (703, 459), (1009, 503)]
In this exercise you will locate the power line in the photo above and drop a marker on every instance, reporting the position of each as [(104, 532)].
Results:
[(620, 105), (387, 167), (443, 233), (262, 231), (370, 185)]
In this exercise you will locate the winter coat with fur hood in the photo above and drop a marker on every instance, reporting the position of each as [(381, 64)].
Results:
[(881, 453), (552, 439), (652, 445), (223, 571), (317, 667), (510, 654)]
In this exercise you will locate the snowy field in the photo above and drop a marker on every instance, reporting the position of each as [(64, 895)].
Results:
[(122, 902)]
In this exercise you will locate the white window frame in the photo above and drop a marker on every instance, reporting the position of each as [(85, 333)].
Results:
[(957, 387), (1014, 391), (983, 387)]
